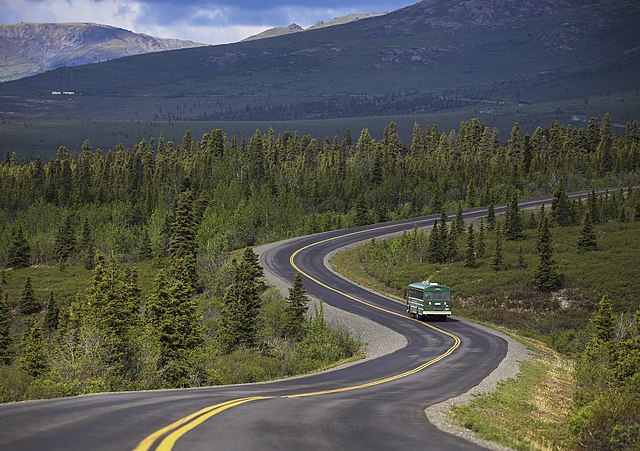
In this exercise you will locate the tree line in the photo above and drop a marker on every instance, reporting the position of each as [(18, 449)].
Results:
[(182, 207), (269, 187)]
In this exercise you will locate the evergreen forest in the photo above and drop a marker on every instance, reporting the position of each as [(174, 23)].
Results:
[(153, 243)]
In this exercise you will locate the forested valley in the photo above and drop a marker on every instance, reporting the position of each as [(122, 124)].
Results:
[(154, 242)]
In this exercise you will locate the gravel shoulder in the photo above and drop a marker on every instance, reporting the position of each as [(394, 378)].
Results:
[(379, 340)]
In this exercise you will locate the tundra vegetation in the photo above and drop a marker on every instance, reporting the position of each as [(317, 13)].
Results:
[(122, 270), (567, 281)]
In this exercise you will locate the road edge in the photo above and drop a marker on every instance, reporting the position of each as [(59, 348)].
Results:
[(509, 367), (377, 340)]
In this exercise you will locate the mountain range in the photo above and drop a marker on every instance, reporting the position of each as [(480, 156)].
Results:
[(435, 55), (31, 48), (295, 28)]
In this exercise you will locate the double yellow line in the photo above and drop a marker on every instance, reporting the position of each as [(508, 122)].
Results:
[(177, 429)]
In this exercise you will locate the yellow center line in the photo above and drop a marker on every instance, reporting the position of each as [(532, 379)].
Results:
[(170, 440), (186, 424), (146, 444)]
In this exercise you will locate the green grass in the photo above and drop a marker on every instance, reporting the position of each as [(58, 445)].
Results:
[(507, 297), (532, 411), (529, 412), (65, 284)]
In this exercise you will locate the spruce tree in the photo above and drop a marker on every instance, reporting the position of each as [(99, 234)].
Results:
[(452, 245), (491, 217), (33, 358), (480, 244), (444, 238), (182, 234), (546, 276), (87, 246), (459, 220), (52, 315), (5, 331), (238, 327), (592, 207), (295, 312), (28, 305), (561, 207), (587, 241), (603, 322), (514, 229), (65, 242), (145, 253), (114, 312), (361, 217), (470, 255), (3, 278), (435, 245), (19, 250), (252, 259), (636, 216), (175, 321), (498, 257)]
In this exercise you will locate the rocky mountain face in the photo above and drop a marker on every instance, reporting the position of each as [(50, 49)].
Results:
[(295, 28), (31, 48)]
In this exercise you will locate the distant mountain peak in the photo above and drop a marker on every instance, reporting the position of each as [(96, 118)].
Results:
[(295, 28), (29, 48)]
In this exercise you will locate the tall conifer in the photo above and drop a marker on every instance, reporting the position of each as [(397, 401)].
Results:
[(87, 247), (33, 358), (52, 315), (19, 250), (175, 321), (459, 220), (480, 248), (587, 241), (434, 247), (252, 259), (28, 303), (498, 257), (238, 328), (546, 276), (65, 239), (491, 217), (561, 207), (5, 331), (296, 310), (182, 234), (470, 255), (514, 229)]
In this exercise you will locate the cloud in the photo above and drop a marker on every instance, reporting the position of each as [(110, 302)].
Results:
[(209, 21)]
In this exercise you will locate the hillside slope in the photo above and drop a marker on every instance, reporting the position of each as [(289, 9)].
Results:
[(31, 48), (493, 51)]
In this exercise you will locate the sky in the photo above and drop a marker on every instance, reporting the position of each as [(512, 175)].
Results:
[(208, 21)]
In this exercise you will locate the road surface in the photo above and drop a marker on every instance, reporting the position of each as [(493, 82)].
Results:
[(376, 404)]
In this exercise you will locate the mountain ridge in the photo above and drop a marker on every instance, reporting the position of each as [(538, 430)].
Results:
[(434, 53), (29, 48), (295, 28)]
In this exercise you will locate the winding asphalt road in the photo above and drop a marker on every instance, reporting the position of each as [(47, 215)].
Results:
[(377, 404)]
